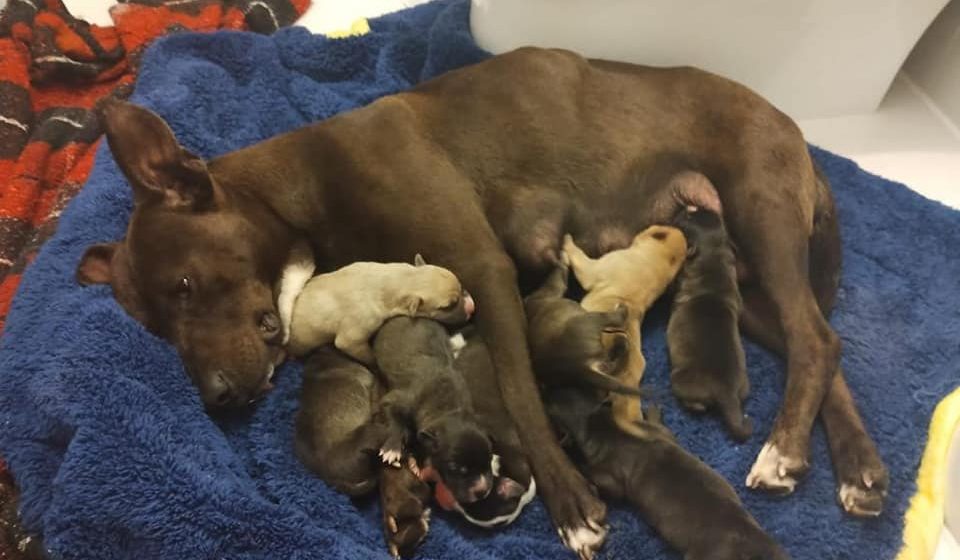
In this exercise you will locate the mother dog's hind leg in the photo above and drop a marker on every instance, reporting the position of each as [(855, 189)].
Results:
[(862, 478), (771, 219)]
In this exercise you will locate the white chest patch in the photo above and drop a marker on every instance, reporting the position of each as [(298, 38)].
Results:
[(296, 273)]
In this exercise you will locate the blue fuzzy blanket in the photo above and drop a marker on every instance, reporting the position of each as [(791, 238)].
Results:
[(116, 458)]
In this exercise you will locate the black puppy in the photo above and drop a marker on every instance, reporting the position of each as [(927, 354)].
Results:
[(513, 485), (708, 370), (691, 506), (427, 396), (336, 437), (572, 346)]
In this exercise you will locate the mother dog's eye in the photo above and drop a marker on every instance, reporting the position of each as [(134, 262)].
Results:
[(183, 287)]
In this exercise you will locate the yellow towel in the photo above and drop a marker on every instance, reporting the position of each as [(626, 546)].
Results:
[(924, 519), (359, 27)]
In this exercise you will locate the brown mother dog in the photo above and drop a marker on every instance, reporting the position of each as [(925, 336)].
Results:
[(482, 171)]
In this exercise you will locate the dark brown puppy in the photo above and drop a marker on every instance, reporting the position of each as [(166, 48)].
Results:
[(707, 366), (692, 507), (427, 408), (442, 170), (572, 346)]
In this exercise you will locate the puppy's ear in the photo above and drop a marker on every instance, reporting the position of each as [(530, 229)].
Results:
[(95, 265), (152, 160), (414, 305), (418, 260)]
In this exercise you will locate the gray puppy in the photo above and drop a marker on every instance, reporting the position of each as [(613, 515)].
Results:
[(708, 369), (426, 396), (572, 346)]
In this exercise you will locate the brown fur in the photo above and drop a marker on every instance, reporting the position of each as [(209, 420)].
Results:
[(635, 277), (441, 169)]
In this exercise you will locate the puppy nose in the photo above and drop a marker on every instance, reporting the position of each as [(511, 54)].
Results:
[(468, 305), (480, 489), (219, 391), (270, 325)]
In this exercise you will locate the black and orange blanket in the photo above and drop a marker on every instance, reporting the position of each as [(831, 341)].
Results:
[(53, 70)]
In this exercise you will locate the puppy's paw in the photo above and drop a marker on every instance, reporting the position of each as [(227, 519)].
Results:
[(390, 457), (775, 471), (404, 535), (391, 450)]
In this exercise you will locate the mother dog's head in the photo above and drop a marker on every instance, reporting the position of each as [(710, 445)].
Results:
[(198, 263)]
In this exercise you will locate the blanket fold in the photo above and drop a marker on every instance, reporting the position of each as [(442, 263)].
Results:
[(116, 457)]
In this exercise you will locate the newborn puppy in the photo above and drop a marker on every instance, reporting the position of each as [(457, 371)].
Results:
[(635, 277), (337, 439), (572, 346), (513, 485), (708, 369), (692, 507), (428, 397), (335, 435), (406, 518), (347, 306)]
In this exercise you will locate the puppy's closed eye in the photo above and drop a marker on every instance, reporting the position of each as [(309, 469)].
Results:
[(451, 306)]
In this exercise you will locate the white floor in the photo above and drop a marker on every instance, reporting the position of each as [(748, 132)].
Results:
[(907, 140)]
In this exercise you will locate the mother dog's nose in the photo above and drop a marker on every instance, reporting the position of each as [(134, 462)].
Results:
[(217, 391)]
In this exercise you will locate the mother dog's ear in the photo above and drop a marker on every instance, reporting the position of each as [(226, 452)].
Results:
[(155, 164), (94, 267)]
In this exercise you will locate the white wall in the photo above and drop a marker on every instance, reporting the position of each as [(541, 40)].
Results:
[(934, 65)]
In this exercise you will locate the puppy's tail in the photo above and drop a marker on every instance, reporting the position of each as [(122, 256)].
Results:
[(740, 426)]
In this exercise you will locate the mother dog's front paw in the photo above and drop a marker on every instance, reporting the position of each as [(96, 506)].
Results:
[(775, 471), (584, 540), (578, 514)]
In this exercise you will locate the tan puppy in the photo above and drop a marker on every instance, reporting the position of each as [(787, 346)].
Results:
[(635, 276), (347, 306)]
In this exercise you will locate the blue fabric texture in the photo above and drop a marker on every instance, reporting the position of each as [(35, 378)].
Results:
[(116, 457)]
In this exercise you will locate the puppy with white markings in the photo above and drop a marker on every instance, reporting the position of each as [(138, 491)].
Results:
[(347, 306), (635, 276), (707, 365), (427, 407), (513, 484)]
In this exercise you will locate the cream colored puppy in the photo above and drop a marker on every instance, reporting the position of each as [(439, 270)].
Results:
[(348, 306), (635, 276)]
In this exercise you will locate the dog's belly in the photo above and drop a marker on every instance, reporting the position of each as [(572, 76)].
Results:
[(531, 221)]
